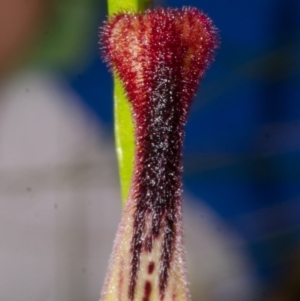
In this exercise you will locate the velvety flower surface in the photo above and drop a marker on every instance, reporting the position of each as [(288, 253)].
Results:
[(160, 57)]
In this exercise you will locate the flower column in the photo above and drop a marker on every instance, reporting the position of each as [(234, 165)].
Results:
[(160, 57)]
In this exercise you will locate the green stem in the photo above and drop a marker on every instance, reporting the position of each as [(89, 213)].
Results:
[(124, 132), (115, 6)]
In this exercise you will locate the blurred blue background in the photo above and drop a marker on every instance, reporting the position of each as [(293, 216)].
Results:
[(242, 146)]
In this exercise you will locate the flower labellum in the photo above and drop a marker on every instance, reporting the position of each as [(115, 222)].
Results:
[(160, 56)]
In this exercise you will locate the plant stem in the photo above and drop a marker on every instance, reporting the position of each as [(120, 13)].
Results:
[(123, 124), (115, 6)]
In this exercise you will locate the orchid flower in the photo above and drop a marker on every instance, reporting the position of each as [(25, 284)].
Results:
[(160, 56)]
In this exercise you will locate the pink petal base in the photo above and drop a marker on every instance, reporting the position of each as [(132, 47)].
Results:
[(117, 284)]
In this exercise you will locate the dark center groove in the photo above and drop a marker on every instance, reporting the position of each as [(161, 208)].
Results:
[(158, 166)]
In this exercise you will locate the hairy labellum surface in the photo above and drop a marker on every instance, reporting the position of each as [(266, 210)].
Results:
[(160, 57)]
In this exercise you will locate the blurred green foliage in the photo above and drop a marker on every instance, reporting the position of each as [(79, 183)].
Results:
[(67, 34)]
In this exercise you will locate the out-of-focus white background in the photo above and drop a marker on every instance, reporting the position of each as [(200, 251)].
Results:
[(60, 204)]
